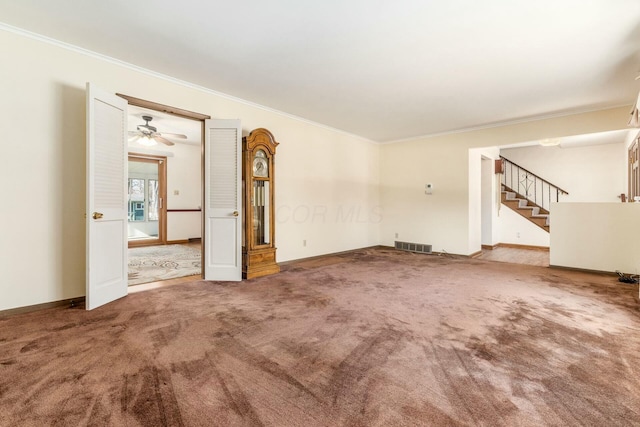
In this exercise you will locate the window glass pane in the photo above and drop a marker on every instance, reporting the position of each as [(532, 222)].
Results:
[(153, 200), (136, 199), (267, 209), (258, 213)]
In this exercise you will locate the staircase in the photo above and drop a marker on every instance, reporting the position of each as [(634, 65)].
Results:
[(527, 194), (526, 208)]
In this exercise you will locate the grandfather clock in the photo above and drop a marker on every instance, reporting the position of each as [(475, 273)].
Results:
[(259, 251)]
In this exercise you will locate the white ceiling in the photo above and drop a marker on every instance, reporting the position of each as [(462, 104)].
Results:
[(384, 70)]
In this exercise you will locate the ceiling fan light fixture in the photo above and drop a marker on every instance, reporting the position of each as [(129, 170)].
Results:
[(549, 142), (147, 141), (148, 136), (147, 129)]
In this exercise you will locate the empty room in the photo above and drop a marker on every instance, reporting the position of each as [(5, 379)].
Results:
[(397, 213)]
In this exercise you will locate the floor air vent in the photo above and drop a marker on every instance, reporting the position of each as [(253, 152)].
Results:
[(413, 247)]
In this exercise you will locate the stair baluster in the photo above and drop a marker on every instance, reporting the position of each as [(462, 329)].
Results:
[(517, 195)]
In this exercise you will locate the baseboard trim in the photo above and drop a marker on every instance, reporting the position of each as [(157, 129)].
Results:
[(297, 260), (178, 242), (583, 270), (70, 302), (489, 247), (475, 254), (516, 246)]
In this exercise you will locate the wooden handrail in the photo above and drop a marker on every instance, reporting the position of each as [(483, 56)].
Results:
[(540, 178)]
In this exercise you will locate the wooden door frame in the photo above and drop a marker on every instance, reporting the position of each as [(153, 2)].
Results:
[(634, 175), (162, 194), (185, 114)]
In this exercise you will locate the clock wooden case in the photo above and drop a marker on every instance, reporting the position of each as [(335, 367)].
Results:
[(258, 173)]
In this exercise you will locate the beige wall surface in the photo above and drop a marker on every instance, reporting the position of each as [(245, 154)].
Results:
[(596, 236), (326, 181), (442, 219)]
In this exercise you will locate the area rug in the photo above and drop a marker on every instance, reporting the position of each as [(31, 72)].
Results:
[(154, 263), (370, 338)]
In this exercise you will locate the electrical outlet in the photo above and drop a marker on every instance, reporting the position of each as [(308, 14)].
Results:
[(304, 243), (176, 192), (518, 234), (396, 235)]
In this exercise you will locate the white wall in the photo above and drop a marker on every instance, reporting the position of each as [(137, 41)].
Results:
[(594, 173), (490, 202), (596, 236), (183, 226), (481, 196), (333, 175), (514, 229), (631, 137), (184, 175), (475, 201), (486, 202)]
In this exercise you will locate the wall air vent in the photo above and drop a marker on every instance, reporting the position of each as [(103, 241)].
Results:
[(413, 247)]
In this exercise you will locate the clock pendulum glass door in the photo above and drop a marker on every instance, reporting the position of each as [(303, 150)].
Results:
[(260, 201)]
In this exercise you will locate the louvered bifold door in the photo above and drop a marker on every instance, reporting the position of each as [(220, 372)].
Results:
[(223, 200), (106, 214)]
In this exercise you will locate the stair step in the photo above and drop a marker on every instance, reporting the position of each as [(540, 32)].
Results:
[(525, 208), (530, 207), (544, 218)]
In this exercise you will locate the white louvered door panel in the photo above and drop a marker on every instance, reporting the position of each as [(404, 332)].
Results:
[(106, 215), (223, 200)]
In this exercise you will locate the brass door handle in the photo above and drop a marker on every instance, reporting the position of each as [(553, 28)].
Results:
[(235, 213), (97, 215)]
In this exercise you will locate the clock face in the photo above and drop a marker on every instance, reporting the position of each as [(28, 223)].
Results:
[(260, 167)]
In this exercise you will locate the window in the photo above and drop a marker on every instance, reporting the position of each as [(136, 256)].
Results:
[(154, 214), (143, 208)]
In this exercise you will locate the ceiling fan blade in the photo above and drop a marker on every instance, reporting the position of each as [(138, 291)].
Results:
[(134, 138), (172, 135), (134, 132), (165, 141)]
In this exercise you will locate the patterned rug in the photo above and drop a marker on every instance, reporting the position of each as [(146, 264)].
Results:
[(153, 263)]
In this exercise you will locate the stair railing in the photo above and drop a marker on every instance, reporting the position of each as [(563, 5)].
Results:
[(529, 185)]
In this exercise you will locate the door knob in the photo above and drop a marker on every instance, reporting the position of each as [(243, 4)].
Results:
[(97, 215), (235, 213)]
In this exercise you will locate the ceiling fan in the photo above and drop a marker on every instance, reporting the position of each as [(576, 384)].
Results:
[(149, 135)]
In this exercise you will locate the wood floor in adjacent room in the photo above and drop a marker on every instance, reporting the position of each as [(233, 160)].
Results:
[(528, 256), (374, 337)]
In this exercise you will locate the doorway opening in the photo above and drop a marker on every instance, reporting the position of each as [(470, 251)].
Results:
[(165, 194), (146, 200)]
